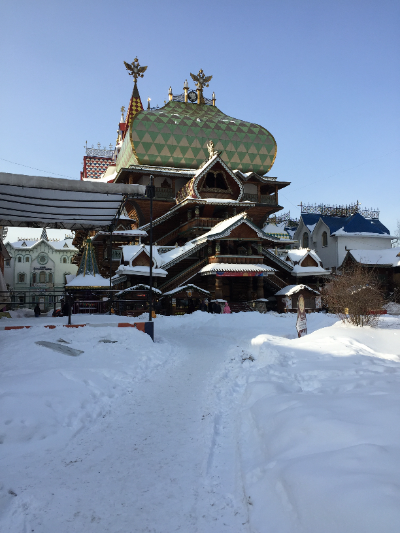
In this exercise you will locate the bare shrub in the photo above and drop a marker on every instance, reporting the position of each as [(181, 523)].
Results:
[(355, 296)]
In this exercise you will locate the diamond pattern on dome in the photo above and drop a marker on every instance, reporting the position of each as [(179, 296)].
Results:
[(177, 134)]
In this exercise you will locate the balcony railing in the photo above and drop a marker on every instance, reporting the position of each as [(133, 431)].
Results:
[(250, 198), (164, 193), (268, 199), (265, 198)]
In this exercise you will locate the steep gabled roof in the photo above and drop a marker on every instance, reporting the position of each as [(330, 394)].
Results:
[(132, 251)]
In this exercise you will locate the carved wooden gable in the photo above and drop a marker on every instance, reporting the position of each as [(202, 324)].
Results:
[(218, 182)]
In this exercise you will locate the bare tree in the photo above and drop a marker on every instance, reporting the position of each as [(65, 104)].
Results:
[(355, 296)]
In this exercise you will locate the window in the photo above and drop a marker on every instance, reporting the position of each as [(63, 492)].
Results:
[(8, 263), (64, 259), (305, 240), (34, 277), (27, 259), (21, 278), (324, 239), (42, 277), (215, 181), (19, 259)]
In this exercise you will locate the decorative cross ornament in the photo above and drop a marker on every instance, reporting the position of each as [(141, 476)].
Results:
[(135, 69)]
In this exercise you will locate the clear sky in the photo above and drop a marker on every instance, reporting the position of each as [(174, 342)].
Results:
[(322, 76)]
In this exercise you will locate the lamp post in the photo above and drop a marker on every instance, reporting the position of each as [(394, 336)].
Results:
[(150, 193)]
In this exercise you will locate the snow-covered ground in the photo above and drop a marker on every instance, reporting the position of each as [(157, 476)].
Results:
[(225, 423)]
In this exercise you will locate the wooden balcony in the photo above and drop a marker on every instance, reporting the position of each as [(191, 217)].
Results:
[(268, 199)]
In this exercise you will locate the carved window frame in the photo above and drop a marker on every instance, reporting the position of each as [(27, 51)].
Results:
[(228, 190)]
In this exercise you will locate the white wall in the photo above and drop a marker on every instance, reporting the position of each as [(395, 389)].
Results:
[(360, 243), (328, 254)]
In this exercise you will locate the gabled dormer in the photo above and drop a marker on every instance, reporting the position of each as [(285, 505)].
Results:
[(214, 179)]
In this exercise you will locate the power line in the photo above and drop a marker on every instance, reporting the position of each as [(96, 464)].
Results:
[(39, 169)]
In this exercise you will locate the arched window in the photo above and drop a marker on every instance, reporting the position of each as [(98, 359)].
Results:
[(27, 259), (324, 239), (215, 181), (305, 240), (42, 277), (19, 259), (21, 278), (64, 259)]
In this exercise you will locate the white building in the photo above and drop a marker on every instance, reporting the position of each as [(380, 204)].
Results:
[(332, 236), (37, 269)]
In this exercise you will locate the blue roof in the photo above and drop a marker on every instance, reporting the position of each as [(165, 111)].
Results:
[(309, 219), (358, 224), (353, 224)]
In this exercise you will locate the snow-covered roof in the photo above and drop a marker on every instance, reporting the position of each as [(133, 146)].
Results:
[(141, 271), (184, 288), (122, 233), (298, 254), (64, 244), (130, 252), (299, 271), (89, 281), (138, 287), (389, 257), (354, 225), (293, 289), (276, 230), (234, 267), (176, 252)]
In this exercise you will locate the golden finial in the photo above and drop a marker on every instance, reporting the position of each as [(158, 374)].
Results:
[(201, 81), (135, 69)]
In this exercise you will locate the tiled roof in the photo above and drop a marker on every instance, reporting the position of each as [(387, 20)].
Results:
[(94, 167), (177, 134)]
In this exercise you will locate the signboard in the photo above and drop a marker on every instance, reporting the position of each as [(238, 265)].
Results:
[(173, 301), (301, 324), (238, 274)]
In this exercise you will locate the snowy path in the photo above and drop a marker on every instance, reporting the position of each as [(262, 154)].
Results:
[(226, 423), (147, 466)]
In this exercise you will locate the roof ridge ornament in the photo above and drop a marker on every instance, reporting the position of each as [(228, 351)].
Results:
[(135, 69), (201, 81)]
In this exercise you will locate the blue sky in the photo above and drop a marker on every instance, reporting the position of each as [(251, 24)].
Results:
[(322, 76)]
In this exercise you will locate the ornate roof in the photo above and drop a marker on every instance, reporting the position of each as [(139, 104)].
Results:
[(177, 134)]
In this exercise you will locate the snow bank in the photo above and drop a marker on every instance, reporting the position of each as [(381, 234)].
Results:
[(225, 423)]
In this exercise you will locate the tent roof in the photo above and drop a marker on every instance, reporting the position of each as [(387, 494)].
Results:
[(36, 201)]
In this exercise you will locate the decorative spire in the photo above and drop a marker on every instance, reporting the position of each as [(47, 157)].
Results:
[(44, 236), (122, 119), (135, 105), (88, 264), (201, 81)]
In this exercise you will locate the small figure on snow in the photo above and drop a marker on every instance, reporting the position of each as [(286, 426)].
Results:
[(227, 309), (36, 310)]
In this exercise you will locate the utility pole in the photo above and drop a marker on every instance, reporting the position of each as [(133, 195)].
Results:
[(150, 193)]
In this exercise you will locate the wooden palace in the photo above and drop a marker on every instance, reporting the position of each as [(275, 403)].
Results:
[(213, 196)]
